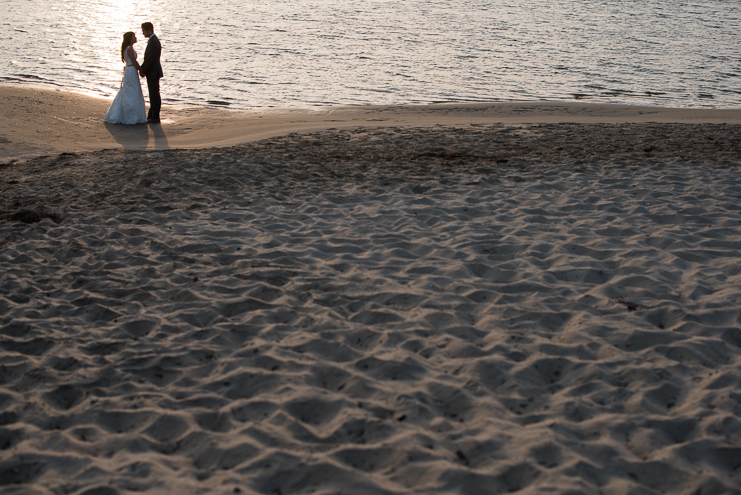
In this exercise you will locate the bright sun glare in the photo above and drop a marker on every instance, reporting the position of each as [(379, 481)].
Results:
[(110, 19)]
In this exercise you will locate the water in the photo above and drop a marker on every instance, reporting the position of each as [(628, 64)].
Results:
[(288, 53)]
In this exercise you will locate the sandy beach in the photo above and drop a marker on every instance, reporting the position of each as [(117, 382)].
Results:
[(37, 122), (534, 298)]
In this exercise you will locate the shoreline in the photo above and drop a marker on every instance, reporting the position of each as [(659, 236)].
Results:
[(37, 122)]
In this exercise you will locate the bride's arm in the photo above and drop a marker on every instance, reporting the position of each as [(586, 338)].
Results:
[(132, 57)]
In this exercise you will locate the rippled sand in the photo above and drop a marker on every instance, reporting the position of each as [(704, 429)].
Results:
[(533, 309)]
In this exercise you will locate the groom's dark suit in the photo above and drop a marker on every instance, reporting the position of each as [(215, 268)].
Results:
[(152, 69)]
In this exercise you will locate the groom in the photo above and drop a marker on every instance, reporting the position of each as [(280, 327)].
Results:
[(152, 70)]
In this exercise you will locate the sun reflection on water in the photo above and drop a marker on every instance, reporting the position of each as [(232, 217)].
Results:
[(110, 20), (95, 48)]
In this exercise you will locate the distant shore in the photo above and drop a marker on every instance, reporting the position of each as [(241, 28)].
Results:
[(36, 122)]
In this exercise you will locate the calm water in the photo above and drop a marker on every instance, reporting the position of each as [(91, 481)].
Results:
[(291, 53)]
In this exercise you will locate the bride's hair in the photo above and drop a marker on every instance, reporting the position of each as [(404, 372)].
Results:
[(126, 43)]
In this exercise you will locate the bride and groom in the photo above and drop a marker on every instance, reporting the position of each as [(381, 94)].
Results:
[(128, 106)]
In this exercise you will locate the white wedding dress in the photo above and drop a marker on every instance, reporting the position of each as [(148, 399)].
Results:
[(128, 106)]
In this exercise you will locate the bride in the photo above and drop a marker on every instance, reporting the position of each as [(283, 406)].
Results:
[(128, 106)]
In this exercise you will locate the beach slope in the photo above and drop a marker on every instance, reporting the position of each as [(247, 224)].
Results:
[(36, 122)]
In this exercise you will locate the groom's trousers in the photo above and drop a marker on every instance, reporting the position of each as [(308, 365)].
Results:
[(155, 101)]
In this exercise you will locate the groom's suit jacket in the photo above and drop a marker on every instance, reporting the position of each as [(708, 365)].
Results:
[(151, 66)]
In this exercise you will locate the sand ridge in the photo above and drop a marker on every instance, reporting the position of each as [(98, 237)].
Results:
[(490, 309), (38, 121)]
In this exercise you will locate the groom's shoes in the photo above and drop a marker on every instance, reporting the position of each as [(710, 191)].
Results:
[(153, 121)]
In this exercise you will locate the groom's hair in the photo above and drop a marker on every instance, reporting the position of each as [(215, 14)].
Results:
[(147, 26)]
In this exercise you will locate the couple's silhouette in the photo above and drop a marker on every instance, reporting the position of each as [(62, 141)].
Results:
[(128, 106)]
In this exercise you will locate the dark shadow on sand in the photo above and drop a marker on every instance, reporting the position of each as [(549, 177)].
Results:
[(138, 136), (160, 139)]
